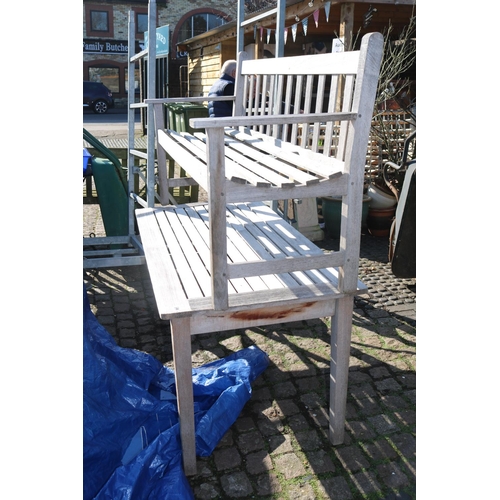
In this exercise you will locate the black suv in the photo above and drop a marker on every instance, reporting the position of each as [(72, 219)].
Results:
[(97, 97)]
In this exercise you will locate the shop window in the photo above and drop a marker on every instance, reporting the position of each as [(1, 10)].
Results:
[(99, 20), (108, 75), (199, 23), (141, 22)]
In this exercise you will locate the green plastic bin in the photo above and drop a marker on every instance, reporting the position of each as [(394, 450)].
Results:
[(110, 180), (180, 113)]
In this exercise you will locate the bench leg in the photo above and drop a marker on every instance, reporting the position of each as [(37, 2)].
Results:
[(306, 214), (339, 367), (181, 346)]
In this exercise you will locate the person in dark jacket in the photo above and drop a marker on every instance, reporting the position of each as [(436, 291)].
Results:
[(223, 86)]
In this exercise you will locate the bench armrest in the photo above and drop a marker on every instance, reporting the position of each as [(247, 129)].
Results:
[(248, 121), (199, 99)]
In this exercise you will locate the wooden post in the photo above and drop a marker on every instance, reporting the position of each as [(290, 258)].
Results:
[(339, 366), (346, 24), (181, 346), (217, 214)]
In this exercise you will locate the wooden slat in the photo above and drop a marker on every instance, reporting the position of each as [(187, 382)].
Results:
[(193, 165), (286, 172), (255, 173), (167, 285), (340, 62), (234, 250), (189, 251), (238, 168), (289, 244), (325, 168)]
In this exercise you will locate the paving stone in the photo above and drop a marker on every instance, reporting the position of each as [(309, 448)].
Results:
[(289, 465), (268, 484), (284, 390), (280, 444), (394, 402), (360, 430), (298, 422), (358, 377), (312, 400), (270, 427), (302, 491), (408, 380), (411, 395), (206, 491), (387, 385), (226, 440), (319, 461), (406, 417), (352, 458), (392, 476), (383, 424), (362, 391), (367, 406), (308, 440), (245, 424), (287, 407), (350, 411), (379, 372), (366, 483), (308, 384), (380, 450), (335, 488), (236, 485), (227, 458), (406, 445), (378, 313), (250, 441), (258, 462), (106, 320), (319, 416), (262, 393)]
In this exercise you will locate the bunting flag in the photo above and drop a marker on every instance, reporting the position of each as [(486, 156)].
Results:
[(316, 17), (304, 25), (304, 22)]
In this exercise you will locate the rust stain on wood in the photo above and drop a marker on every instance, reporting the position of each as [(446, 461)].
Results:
[(274, 314)]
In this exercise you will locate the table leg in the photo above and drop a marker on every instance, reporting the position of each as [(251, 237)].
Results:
[(339, 367), (181, 346)]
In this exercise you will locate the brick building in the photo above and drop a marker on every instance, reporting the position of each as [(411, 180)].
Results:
[(105, 37)]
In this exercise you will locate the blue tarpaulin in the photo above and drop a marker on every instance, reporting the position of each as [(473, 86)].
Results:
[(131, 439)]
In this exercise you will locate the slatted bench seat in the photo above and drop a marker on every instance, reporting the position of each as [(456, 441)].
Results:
[(233, 262)]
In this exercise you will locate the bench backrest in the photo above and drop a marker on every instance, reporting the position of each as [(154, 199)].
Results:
[(323, 83)]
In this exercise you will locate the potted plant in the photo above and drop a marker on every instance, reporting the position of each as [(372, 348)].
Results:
[(394, 119)]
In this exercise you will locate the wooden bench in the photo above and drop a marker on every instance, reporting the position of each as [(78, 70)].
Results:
[(233, 262)]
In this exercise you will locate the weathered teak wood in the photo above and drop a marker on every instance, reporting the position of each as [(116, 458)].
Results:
[(233, 262)]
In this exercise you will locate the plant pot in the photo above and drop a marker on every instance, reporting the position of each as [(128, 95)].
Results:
[(331, 207), (380, 199), (379, 220)]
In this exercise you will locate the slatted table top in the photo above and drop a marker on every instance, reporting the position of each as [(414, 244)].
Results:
[(177, 250), (119, 143)]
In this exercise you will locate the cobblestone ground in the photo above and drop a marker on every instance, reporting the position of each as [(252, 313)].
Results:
[(278, 448)]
